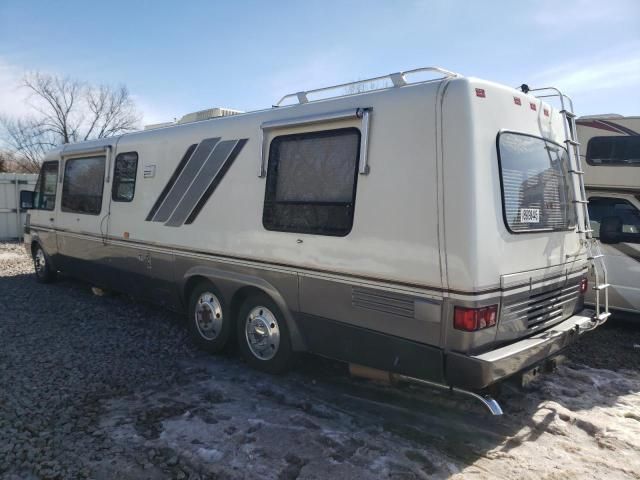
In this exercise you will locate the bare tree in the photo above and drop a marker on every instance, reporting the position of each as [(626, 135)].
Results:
[(27, 140), (12, 163), (66, 110)]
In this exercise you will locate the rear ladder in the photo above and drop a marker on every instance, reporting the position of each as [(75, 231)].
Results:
[(594, 251)]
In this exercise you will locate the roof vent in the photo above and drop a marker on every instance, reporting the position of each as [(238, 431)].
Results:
[(207, 114)]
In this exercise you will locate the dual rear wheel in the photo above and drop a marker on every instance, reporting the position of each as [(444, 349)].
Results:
[(259, 327)]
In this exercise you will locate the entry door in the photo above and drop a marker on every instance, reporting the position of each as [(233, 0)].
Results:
[(43, 215), (139, 268), (82, 218)]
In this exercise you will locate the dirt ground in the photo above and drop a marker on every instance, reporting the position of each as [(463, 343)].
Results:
[(104, 387)]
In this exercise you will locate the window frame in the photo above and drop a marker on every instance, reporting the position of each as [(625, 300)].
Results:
[(40, 185), (624, 237), (572, 225), (271, 182), (598, 137), (64, 182), (115, 183)]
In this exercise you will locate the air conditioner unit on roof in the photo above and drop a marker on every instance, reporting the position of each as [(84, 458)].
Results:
[(207, 114)]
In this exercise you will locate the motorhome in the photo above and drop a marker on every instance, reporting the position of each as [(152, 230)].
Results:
[(611, 159), (431, 227)]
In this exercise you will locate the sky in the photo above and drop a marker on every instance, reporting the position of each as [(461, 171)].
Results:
[(181, 56)]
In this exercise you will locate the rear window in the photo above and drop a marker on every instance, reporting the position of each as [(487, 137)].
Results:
[(614, 151), (536, 190)]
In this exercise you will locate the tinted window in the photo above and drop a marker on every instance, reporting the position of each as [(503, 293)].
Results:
[(311, 182), (124, 177), (536, 190), (628, 217), (45, 191), (614, 150), (83, 185)]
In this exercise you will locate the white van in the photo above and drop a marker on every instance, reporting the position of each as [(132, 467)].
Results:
[(427, 228), (612, 179)]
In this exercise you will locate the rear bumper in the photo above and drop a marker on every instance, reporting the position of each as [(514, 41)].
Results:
[(477, 372)]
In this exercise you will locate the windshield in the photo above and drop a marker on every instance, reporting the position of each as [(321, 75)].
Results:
[(536, 190)]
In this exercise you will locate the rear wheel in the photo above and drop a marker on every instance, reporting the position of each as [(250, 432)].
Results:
[(209, 325), (45, 273), (263, 336)]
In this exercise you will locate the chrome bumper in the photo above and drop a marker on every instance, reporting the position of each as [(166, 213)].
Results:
[(477, 372)]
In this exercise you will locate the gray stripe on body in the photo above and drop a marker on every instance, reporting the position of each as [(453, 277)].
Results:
[(207, 174), (182, 183)]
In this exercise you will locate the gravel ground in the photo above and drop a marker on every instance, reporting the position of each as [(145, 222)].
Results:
[(103, 387)]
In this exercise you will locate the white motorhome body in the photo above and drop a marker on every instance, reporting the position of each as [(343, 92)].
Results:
[(425, 229), (611, 147)]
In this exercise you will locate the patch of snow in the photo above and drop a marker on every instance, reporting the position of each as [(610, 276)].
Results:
[(210, 455)]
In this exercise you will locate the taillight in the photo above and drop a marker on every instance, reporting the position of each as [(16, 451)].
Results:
[(472, 319), (584, 284)]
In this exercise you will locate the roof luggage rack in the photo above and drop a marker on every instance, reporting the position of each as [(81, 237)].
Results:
[(398, 79)]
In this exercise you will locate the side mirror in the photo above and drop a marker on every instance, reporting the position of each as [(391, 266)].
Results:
[(611, 230), (26, 200)]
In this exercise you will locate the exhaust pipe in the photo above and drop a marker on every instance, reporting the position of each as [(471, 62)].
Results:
[(390, 378)]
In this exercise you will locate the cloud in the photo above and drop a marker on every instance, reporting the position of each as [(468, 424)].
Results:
[(16, 101), (151, 113), (320, 70), (605, 71), (559, 17), (13, 97)]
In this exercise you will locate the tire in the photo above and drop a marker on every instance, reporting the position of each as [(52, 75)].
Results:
[(208, 323), (263, 336), (45, 272)]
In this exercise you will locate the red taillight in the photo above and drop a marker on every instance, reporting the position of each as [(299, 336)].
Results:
[(472, 319), (584, 284), (480, 92)]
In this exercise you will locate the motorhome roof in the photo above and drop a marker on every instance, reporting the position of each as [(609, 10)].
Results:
[(422, 75)]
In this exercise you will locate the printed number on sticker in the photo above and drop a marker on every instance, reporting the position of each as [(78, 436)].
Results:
[(529, 215)]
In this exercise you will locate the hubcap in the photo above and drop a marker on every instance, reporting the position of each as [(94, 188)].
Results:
[(262, 333), (208, 316), (40, 261)]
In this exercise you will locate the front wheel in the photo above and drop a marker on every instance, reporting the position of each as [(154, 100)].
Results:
[(45, 273), (263, 336)]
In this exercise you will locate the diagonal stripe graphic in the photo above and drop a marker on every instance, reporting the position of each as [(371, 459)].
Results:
[(217, 179), (207, 174), (184, 180), (167, 187)]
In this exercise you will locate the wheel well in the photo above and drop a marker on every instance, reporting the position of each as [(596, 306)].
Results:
[(189, 286), (34, 244), (239, 297)]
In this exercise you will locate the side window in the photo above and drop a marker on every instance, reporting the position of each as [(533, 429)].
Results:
[(311, 182), (83, 185), (45, 191), (124, 177), (623, 150), (617, 214)]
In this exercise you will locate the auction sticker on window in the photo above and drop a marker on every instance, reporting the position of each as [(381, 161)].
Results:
[(529, 215)]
